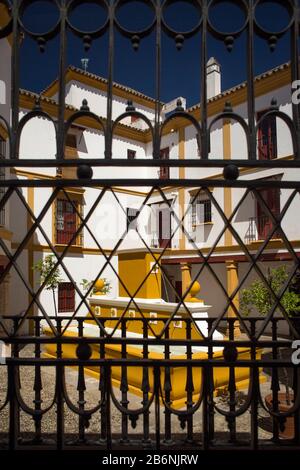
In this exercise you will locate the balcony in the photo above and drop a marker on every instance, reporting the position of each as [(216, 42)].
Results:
[(260, 228)]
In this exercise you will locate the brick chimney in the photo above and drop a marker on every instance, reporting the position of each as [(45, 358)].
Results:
[(213, 70)]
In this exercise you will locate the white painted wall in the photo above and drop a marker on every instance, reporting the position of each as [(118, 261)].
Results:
[(5, 79), (96, 98), (81, 267)]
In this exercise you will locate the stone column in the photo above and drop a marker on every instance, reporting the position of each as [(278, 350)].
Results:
[(232, 283)]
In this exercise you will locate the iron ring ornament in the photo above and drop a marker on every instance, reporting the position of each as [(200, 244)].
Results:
[(288, 5), (226, 35), (179, 36), (88, 34), (40, 35), (135, 34)]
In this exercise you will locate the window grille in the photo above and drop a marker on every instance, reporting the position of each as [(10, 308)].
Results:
[(201, 212), (66, 222), (66, 297)]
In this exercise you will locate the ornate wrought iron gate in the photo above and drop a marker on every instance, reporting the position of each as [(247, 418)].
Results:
[(198, 412)]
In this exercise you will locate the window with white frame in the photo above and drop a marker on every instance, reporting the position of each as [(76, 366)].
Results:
[(201, 211)]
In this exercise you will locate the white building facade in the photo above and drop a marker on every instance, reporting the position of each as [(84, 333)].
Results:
[(131, 214)]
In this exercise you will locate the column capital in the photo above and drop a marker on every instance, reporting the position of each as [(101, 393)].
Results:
[(231, 264)]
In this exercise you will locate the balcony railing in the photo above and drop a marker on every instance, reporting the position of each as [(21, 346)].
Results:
[(260, 228)]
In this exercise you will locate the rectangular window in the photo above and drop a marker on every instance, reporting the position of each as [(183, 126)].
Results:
[(66, 297), (131, 154), (2, 177), (265, 224), (132, 215), (201, 212), (267, 137), (164, 172), (66, 221)]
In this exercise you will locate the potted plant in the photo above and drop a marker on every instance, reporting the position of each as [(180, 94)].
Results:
[(258, 298), (44, 266)]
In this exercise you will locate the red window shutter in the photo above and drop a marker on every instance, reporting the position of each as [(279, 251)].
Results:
[(66, 297), (267, 137), (66, 218)]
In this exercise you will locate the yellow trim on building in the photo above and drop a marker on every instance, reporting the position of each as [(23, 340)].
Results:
[(238, 95), (92, 81), (5, 234), (275, 244), (232, 283), (27, 101), (35, 175), (71, 249)]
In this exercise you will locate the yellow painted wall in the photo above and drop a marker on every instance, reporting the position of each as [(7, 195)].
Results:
[(133, 269)]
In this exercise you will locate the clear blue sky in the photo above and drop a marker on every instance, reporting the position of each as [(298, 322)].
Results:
[(180, 72)]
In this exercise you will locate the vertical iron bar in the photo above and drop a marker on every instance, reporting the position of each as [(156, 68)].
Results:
[(295, 75), (156, 146), (37, 386), (13, 406), (62, 82), (275, 386), (13, 382), (81, 387), (255, 392), (111, 45), (250, 83), (296, 391), (205, 414), (232, 388), (102, 387), (204, 136), (15, 80), (189, 380), (167, 391), (107, 369), (145, 386), (210, 386), (124, 383), (59, 391), (156, 384)]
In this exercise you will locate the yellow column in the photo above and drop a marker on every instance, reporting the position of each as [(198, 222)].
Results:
[(186, 279), (232, 283)]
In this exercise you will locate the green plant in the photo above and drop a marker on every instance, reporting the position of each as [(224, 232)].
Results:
[(52, 279), (258, 297), (87, 284)]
